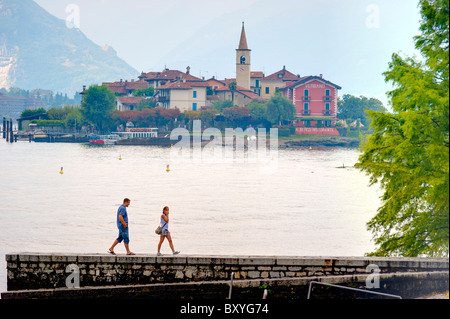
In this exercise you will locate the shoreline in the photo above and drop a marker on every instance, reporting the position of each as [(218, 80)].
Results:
[(318, 140), (283, 142)]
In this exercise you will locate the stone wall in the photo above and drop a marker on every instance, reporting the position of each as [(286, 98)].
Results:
[(48, 271)]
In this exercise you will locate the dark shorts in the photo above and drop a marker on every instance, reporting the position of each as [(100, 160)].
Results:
[(123, 235), (165, 232)]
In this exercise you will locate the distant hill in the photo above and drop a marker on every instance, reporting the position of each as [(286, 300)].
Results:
[(38, 50)]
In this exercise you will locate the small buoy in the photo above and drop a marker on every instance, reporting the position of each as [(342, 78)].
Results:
[(61, 171), (120, 157), (171, 145), (167, 169), (310, 148)]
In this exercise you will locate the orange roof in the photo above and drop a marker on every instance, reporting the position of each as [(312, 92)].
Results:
[(283, 75), (256, 74), (178, 85), (129, 100), (137, 85)]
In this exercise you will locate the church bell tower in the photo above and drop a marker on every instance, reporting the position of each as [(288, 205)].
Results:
[(243, 62)]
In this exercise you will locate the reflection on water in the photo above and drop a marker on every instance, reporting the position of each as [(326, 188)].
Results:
[(308, 206)]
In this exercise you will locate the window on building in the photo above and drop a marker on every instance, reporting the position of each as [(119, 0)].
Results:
[(327, 106), (195, 94), (306, 106), (306, 92), (277, 89), (194, 106), (257, 83), (267, 90), (327, 92)]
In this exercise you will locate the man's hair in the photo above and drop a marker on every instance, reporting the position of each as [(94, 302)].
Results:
[(126, 200)]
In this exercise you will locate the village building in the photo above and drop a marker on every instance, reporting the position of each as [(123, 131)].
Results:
[(125, 88), (273, 83), (315, 100), (128, 103), (176, 89)]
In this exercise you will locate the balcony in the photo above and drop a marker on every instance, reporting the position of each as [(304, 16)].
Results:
[(163, 99), (306, 98), (327, 112), (306, 112), (327, 98)]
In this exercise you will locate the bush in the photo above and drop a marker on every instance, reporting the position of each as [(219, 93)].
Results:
[(283, 132)]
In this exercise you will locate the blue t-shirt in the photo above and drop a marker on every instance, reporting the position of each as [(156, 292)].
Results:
[(122, 211)]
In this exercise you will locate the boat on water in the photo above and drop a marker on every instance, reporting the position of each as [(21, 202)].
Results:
[(110, 139)]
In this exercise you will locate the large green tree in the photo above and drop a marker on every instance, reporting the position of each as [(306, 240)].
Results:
[(354, 108), (98, 106), (408, 152), (279, 109)]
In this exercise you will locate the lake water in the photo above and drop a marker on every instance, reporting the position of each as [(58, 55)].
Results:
[(306, 207)]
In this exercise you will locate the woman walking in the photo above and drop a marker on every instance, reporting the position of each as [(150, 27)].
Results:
[(165, 232)]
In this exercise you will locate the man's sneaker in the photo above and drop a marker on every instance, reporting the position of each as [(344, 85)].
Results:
[(176, 253), (159, 254)]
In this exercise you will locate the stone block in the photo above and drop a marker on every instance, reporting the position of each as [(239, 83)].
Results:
[(248, 268), (253, 274), (171, 260), (257, 261), (264, 268), (274, 274), (11, 258), (179, 274), (199, 260), (89, 259)]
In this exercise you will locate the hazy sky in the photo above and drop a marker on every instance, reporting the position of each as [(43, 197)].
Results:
[(350, 42)]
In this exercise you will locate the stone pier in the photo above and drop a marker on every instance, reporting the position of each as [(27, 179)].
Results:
[(30, 273)]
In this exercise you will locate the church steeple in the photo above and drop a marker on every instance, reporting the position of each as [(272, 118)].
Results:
[(243, 54), (243, 42)]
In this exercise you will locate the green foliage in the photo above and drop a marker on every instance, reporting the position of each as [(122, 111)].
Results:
[(74, 119), (279, 108), (355, 108), (48, 122), (97, 107), (284, 132), (148, 92), (27, 113), (146, 104), (236, 114), (408, 151), (221, 105), (258, 111)]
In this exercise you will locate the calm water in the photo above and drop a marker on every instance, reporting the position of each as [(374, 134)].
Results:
[(307, 207)]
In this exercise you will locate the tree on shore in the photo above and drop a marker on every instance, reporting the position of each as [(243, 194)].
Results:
[(97, 107), (279, 109), (408, 152), (354, 108)]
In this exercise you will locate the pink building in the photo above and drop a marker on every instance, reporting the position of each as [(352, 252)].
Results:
[(316, 101)]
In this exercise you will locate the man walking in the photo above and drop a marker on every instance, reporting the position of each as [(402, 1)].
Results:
[(122, 225)]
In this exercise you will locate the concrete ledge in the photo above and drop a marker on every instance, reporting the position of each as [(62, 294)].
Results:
[(406, 285), (40, 271)]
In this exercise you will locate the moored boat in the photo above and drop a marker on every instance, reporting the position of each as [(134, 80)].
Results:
[(110, 139)]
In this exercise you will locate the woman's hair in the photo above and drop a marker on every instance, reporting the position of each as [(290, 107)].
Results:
[(165, 208)]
